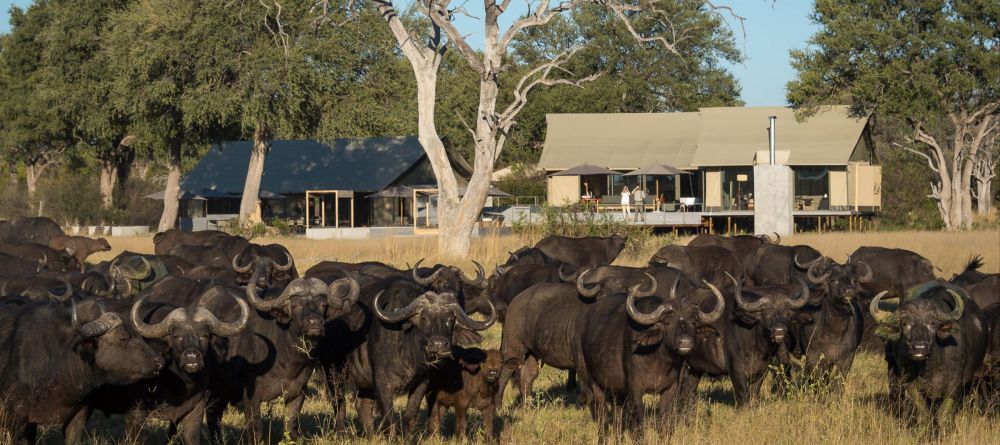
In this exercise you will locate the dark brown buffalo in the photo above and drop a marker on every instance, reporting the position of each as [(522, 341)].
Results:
[(14, 266), (52, 357), (584, 252), (412, 328), (51, 259), (775, 265), (130, 272), (637, 344), (524, 255), (986, 291), (179, 393), (272, 264), (37, 288), (501, 289), (709, 263), (38, 230), (990, 374), (936, 342), (466, 380), (744, 246), (79, 247), (230, 245), (830, 328), (276, 354), (759, 335)]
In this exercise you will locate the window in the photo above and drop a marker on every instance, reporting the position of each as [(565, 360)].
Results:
[(737, 188), (812, 188)]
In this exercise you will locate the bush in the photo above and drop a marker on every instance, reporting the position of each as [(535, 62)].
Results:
[(575, 221)]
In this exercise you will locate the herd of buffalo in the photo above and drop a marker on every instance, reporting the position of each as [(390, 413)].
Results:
[(212, 320)]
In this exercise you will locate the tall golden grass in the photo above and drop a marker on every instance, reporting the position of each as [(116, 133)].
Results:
[(857, 414)]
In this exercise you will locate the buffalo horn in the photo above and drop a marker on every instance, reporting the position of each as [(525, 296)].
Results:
[(266, 305), (738, 294), (222, 328), (565, 277), (352, 294), (422, 280), (42, 262), (879, 315), (720, 306), (797, 303), (868, 275), (288, 264), (480, 276), (476, 325), (582, 288), (777, 238), (805, 266), (959, 305), (238, 268), (400, 314), (66, 295), (106, 322), (633, 312), (158, 330)]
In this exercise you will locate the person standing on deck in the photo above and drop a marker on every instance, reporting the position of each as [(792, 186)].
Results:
[(640, 201), (626, 197)]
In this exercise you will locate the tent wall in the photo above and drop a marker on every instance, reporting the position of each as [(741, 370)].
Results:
[(838, 188), (563, 190), (713, 189)]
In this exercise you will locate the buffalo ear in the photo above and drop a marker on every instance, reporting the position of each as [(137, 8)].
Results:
[(805, 318), (462, 335), (946, 329), (471, 359), (888, 332), (706, 330), (281, 316), (649, 337), (86, 348)]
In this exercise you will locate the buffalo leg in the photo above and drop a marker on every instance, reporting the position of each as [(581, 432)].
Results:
[(75, 428), (668, 409), (255, 425), (488, 413), (412, 410), (434, 415), (135, 421), (529, 372), (366, 414), (293, 407), (335, 390), (945, 417), (461, 421), (510, 366), (190, 424), (571, 385), (384, 396)]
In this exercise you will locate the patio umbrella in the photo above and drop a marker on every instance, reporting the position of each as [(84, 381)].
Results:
[(398, 191), (264, 194), (585, 170), (657, 170)]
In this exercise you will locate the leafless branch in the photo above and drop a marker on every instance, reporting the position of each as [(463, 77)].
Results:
[(438, 12), (930, 161)]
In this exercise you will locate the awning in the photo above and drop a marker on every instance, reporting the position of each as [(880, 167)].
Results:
[(658, 170), (586, 170)]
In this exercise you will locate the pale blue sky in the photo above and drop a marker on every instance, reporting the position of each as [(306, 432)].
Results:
[(772, 29)]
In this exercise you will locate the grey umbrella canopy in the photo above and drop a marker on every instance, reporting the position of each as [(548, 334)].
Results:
[(658, 170), (586, 170), (402, 191)]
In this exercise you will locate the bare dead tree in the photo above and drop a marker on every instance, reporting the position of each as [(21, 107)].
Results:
[(984, 171), (457, 214)]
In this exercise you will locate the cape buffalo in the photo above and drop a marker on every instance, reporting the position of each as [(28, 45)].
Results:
[(272, 264), (51, 259), (413, 329), (524, 255), (759, 335), (14, 266), (275, 355), (79, 247), (744, 246), (936, 341), (466, 380), (38, 230), (584, 252), (37, 288), (971, 274), (501, 289), (986, 291), (179, 393), (709, 263), (830, 330), (52, 357), (632, 346), (230, 245), (775, 265)]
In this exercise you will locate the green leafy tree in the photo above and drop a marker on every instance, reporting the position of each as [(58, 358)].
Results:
[(170, 83), (933, 65), (76, 79), (32, 134)]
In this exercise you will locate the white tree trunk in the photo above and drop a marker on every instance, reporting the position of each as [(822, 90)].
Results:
[(171, 192), (984, 201), (109, 175), (255, 170), (32, 173)]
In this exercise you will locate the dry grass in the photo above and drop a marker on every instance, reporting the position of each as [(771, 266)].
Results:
[(858, 414)]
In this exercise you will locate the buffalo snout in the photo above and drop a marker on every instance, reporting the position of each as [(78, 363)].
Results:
[(778, 332), (313, 325), (192, 361), (492, 375), (439, 346), (685, 344), (919, 350)]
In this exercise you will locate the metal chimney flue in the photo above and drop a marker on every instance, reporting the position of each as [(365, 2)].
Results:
[(770, 138)]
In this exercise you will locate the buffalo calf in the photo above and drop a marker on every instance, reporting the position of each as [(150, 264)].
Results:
[(469, 379)]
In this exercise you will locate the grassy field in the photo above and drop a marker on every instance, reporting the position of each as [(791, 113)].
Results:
[(858, 414)]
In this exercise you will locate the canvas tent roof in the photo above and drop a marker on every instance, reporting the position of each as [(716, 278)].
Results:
[(619, 140), (363, 165), (724, 136)]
